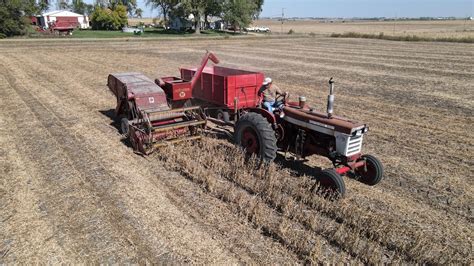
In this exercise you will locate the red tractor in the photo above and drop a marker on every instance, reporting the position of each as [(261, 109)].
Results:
[(173, 109)]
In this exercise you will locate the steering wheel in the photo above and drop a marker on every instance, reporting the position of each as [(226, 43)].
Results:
[(284, 97)]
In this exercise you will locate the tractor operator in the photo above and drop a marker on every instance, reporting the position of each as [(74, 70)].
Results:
[(270, 92)]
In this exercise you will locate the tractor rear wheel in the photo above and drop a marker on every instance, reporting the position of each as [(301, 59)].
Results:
[(330, 183), (255, 134), (374, 173)]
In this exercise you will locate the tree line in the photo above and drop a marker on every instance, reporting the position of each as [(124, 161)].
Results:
[(238, 13), (112, 14)]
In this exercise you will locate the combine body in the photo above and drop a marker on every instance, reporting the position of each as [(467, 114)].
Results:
[(145, 116), (173, 109)]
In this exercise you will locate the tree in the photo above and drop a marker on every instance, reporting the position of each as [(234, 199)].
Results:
[(138, 12), (78, 6), (43, 5), (63, 4), (196, 8), (165, 6), (212, 8), (258, 10), (101, 3), (11, 18), (14, 16), (239, 13), (130, 5), (88, 9), (107, 19)]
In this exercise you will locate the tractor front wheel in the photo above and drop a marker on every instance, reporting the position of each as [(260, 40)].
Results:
[(330, 183), (255, 134), (372, 173)]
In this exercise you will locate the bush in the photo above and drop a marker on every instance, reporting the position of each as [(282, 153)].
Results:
[(12, 19), (291, 31), (312, 34), (106, 19)]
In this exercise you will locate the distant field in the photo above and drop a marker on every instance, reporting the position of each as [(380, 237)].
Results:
[(136, 21), (458, 28)]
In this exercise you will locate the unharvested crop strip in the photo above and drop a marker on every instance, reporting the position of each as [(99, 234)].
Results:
[(421, 248)]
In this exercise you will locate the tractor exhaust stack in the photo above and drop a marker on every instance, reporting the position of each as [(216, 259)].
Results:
[(330, 107)]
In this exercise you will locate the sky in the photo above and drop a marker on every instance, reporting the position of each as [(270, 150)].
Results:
[(357, 8), (369, 8)]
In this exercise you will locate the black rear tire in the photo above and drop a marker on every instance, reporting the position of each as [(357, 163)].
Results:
[(255, 134), (374, 173), (330, 184)]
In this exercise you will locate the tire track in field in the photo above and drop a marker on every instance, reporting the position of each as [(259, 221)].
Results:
[(72, 204), (23, 225)]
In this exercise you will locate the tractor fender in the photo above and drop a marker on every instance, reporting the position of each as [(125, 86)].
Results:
[(269, 116)]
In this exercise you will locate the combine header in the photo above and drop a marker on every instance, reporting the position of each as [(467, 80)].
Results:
[(173, 109)]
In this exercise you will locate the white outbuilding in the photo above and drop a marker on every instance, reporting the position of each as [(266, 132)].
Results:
[(63, 17)]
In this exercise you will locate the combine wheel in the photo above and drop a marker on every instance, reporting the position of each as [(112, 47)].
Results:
[(136, 139), (124, 127), (255, 134), (223, 115), (372, 174), (330, 183)]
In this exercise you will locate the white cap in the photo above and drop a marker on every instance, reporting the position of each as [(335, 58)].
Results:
[(267, 81)]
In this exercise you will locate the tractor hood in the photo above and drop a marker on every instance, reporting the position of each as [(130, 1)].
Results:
[(320, 122)]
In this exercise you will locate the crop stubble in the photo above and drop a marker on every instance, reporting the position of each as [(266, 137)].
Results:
[(98, 201)]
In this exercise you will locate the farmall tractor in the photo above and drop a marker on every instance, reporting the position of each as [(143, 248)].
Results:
[(174, 109)]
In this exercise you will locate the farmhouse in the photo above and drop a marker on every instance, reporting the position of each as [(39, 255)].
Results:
[(62, 17)]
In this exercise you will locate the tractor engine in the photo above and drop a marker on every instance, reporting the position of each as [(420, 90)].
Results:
[(308, 132)]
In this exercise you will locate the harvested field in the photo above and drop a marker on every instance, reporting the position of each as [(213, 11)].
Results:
[(428, 29), (72, 191)]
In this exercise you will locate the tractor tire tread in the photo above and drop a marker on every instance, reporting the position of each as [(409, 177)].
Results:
[(379, 169), (337, 179), (265, 132)]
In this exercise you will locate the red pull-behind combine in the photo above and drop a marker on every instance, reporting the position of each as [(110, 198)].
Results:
[(173, 109)]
